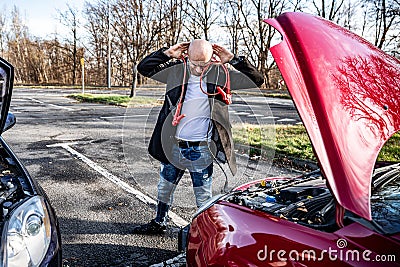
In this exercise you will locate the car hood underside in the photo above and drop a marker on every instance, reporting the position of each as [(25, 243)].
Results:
[(347, 94)]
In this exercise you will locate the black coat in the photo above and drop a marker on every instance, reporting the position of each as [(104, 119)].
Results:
[(160, 67)]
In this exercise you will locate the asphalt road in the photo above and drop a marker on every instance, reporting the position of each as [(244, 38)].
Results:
[(92, 161)]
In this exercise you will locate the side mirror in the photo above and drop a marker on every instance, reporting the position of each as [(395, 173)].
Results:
[(10, 121)]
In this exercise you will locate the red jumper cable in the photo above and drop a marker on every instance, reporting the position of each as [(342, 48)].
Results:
[(178, 116), (226, 94), (224, 91)]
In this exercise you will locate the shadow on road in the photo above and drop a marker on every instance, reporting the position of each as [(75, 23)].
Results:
[(85, 244)]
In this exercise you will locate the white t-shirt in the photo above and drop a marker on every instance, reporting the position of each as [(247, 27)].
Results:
[(196, 125)]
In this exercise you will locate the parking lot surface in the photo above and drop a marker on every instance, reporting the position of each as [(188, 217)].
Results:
[(92, 161)]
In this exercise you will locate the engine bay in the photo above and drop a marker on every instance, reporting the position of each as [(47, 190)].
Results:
[(304, 200), (13, 186), (307, 200)]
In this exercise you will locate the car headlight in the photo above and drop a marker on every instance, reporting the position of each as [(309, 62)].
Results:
[(26, 234), (208, 204)]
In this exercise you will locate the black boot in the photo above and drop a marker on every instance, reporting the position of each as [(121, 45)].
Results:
[(157, 225), (151, 228), (162, 212)]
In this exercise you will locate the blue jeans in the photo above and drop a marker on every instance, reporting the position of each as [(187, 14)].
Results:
[(198, 160)]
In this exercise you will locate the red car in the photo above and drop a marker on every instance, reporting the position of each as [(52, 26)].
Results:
[(347, 213)]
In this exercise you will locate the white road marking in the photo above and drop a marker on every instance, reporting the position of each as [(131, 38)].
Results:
[(286, 120), (271, 117), (281, 102), (132, 116), (62, 107), (255, 115), (37, 101), (179, 221), (43, 103)]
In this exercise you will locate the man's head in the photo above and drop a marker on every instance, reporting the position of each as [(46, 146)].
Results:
[(200, 53)]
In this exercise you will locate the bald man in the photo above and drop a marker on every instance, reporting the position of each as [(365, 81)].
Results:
[(193, 127)]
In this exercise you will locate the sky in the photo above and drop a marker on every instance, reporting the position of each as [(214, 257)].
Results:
[(41, 15)]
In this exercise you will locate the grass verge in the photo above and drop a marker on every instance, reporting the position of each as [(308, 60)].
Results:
[(118, 100), (264, 93), (277, 95), (293, 141), (286, 140)]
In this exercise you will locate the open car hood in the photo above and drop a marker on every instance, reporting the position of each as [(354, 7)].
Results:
[(347, 93), (6, 85)]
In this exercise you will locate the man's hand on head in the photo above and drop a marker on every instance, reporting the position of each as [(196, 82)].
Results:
[(178, 50), (224, 54)]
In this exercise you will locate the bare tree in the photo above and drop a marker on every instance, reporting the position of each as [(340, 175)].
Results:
[(347, 14), (170, 20), (136, 27), (232, 22), (70, 20), (386, 14), (255, 35), (200, 16), (175, 21), (96, 27), (139, 26), (3, 33), (329, 9), (36, 61), (16, 43)]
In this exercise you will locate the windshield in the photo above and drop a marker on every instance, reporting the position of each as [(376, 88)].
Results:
[(385, 199), (3, 85), (6, 83)]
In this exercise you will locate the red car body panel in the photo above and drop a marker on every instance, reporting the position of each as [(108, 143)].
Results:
[(231, 235), (347, 94)]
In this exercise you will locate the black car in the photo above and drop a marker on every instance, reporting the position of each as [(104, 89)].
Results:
[(30, 231)]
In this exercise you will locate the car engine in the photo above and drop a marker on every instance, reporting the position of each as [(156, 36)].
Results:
[(13, 187), (307, 200), (304, 200)]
